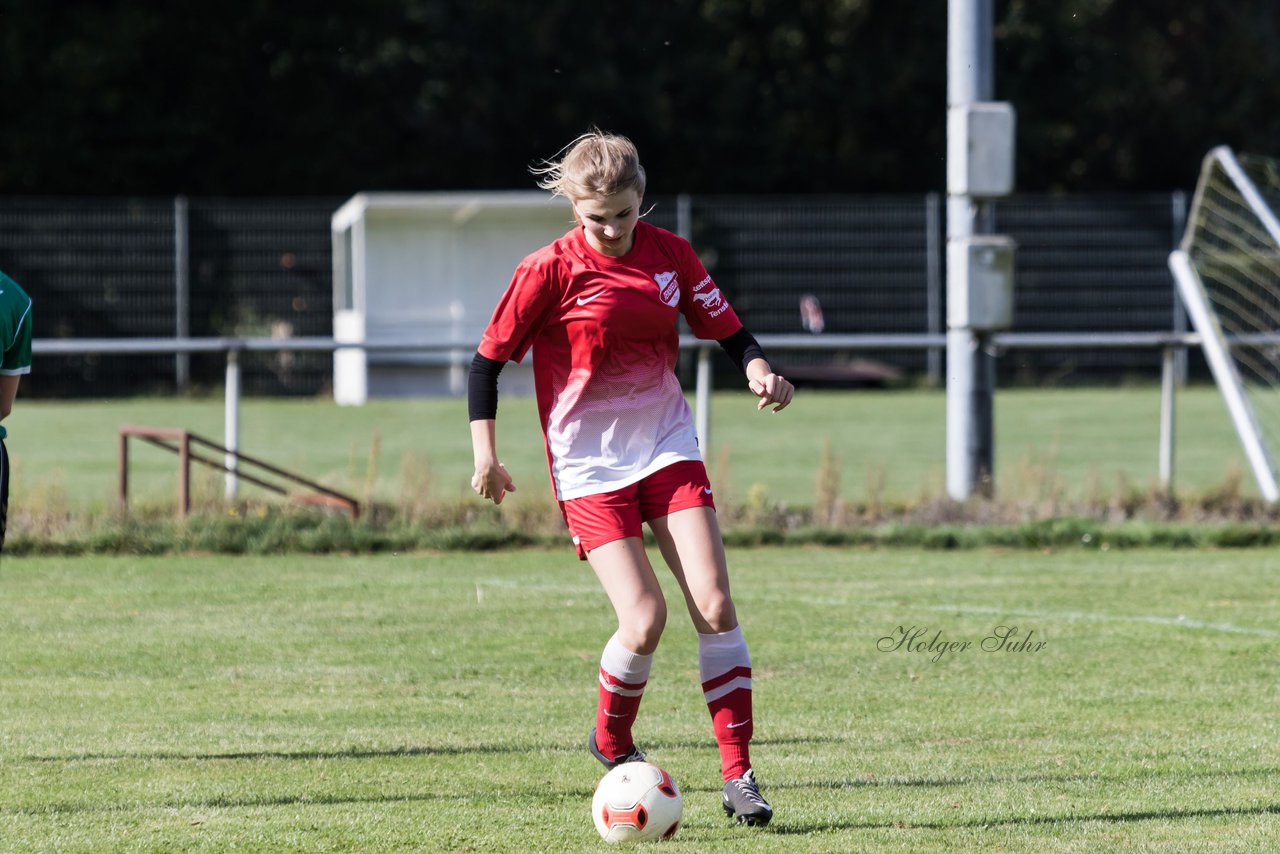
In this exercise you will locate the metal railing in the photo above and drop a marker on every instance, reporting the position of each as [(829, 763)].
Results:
[(188, 445), (447, 352)]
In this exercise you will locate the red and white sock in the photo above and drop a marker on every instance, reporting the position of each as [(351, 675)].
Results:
[(725, 666), (623, 675)]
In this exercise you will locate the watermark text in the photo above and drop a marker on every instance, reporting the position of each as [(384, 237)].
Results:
[(935, 645)]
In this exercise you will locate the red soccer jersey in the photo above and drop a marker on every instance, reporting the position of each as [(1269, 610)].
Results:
[(603, 333)]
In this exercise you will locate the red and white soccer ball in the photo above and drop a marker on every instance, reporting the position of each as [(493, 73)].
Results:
[(637, 802)]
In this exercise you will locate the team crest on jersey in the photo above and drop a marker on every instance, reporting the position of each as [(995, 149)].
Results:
[(668, 287)]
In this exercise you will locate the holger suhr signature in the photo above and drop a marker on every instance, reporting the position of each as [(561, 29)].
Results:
[(919, 639)]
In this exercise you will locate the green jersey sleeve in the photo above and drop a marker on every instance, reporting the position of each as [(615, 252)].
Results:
[(15, 328)]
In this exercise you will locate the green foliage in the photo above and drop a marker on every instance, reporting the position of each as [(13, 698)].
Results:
[(721, 95)]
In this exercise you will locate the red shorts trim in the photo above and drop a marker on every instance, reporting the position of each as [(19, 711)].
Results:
[(598, 519)]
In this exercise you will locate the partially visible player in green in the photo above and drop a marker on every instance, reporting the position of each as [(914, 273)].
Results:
[(15, 360)]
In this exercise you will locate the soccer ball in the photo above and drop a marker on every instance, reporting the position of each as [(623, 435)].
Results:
[(637, 802)]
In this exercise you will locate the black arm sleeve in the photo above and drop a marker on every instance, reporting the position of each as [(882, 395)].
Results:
[(742, 347), (482, 388)]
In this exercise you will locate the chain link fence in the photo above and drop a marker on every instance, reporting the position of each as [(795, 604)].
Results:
[(158, 267)]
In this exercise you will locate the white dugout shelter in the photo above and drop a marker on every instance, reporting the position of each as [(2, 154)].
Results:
[(429, 268)]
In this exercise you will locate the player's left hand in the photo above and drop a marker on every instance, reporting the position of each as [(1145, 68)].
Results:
[(772, 389)]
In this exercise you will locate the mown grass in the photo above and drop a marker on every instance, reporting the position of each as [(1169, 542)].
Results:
[(439, 702)]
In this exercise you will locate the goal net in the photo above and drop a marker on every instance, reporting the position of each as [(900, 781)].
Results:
[(1228, 275)]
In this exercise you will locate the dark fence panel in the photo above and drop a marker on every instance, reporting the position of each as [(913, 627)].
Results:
[(875, 264), (96, 268), (108, 268), (1090, 264), (264, 267), (864, 259)]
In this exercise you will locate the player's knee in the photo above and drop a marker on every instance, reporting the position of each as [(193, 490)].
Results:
[(655, 622), (717, 609), (643, 626)]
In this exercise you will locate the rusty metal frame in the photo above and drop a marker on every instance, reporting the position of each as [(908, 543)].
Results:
[(181, 441)]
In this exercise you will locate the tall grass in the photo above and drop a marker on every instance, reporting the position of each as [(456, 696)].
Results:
[(1075, 454)]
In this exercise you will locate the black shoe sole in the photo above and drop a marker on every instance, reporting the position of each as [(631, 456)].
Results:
[(748, 820), (608, 763)]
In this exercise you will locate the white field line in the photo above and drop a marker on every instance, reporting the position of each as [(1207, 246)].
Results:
[(1182, 622), (551, 586), (497, 584)]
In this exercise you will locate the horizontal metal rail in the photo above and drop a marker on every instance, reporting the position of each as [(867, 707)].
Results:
[(890, 341), (457, 351)]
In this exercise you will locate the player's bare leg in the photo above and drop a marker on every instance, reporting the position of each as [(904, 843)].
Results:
[(691, 545), (629, 581), (632, 587)]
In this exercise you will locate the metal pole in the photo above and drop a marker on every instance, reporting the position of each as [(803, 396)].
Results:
[(231, 422), (181, 287), (702, 398), (933, 283), (1225, 374), (684, 216), (184, 475), (970, 371), (702, 402), (1168, 387), (1178, 203), (122, 492), (1244, 184)]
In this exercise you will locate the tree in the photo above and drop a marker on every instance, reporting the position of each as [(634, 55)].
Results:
[(721, 95)]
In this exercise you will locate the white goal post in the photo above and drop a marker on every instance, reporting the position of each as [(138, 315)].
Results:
[(1227, 272)]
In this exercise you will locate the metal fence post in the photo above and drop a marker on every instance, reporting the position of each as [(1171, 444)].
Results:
[(933, 282), (231, 422), (702, 388), (702, 400), (1168, 384), (684, 216), (1178, 202), (122, 472), (184, 475), (970, 463), (181, 287)]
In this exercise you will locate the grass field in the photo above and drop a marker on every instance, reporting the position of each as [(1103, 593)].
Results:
[(439, 702), (885, 445)]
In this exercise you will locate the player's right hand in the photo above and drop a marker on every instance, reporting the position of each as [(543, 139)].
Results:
[(492, 482)]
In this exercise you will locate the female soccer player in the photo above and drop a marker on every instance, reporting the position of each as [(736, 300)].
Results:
[(599, 307), (15, 360)]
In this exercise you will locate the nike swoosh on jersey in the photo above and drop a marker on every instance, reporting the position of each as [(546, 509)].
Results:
[(585, 300)]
